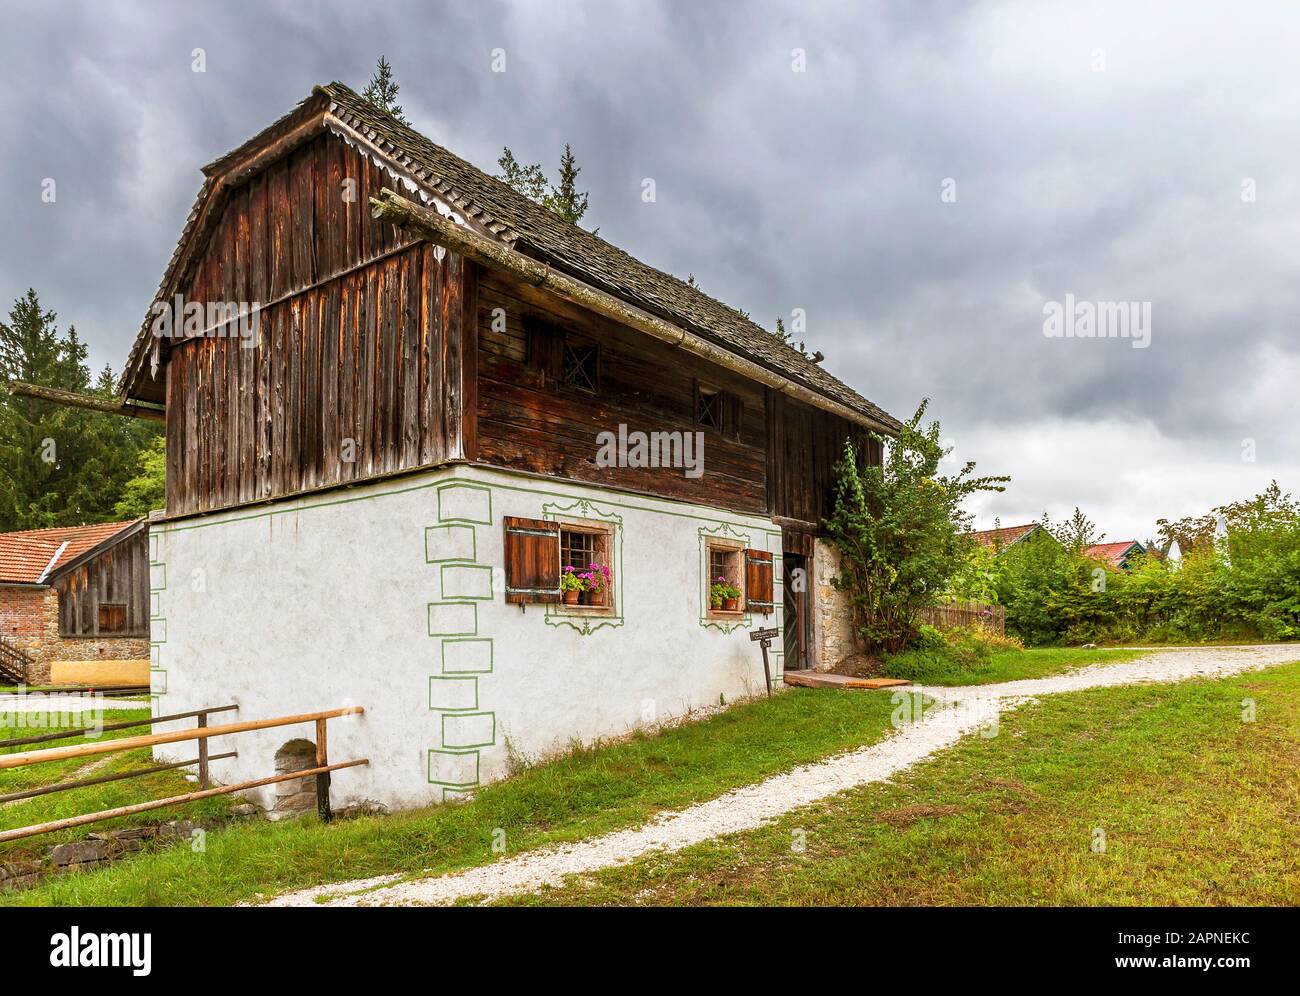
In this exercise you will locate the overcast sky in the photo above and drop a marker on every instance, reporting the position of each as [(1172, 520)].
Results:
[(933, 178)]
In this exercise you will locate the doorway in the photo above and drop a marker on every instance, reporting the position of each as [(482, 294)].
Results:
[(797, 628)]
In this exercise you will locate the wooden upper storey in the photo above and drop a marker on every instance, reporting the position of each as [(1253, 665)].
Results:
[(375, 354)]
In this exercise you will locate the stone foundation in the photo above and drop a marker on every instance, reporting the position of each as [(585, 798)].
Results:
[(832, 626)]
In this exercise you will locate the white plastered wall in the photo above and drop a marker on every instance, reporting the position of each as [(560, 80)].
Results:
[(389, 596)]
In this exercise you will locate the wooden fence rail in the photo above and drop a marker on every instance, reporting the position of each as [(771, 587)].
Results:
[(983, 614), (202, 732)]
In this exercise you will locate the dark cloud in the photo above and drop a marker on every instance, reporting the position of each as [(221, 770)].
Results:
[(779, 190)]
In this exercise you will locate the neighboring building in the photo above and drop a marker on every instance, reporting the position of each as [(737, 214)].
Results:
[(78, 594), (372, 503), (1120, 555), (1005, 537)]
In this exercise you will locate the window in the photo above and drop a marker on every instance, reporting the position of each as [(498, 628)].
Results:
[(708, 408), (581, 366), (726, 567), (717, 410), (561, 357), (587, 549), (739, 569), (112, 617)]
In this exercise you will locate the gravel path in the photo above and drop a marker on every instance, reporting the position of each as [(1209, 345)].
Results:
[(963, 711)]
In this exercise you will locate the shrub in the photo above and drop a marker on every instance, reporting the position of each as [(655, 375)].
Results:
[(900, 533)]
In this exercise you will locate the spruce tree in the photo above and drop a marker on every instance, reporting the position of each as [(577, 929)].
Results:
[(382, 90)]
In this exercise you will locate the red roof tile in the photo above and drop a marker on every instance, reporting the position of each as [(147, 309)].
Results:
[(1000, 539), (25, 556), (1112, 553)]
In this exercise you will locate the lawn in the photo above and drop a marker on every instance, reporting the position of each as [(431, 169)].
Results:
[(1143, 795), (587, 792), (938, 668)]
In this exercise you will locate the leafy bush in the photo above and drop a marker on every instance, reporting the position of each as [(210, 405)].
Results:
[(900, 533), (1244, 587)]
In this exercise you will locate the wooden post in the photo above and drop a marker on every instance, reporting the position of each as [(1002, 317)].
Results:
[(322, 779), (203, 753), (767, 670)]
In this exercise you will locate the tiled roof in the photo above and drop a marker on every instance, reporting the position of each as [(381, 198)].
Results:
[(543, 235), (1112, 553), (25, 556), (1000, 539)]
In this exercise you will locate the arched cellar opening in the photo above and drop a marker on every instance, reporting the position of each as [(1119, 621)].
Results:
[(294, 796)]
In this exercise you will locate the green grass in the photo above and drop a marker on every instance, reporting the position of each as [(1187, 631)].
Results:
[(94, 798), (939, 668), (1197, 807), (587, 792)]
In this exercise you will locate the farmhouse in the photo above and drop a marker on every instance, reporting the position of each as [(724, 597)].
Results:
[(74, 605), (372, 499)]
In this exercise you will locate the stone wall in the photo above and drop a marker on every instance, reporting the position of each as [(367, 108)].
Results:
[(29, 619), (832, 626)]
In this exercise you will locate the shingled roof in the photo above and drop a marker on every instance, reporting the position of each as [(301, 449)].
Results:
[(540, 233)]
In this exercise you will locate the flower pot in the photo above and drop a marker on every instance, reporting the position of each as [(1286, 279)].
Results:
[(730, 604), (571, 597)]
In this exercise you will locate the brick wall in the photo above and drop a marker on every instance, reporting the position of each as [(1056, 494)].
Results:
[(29, 619)]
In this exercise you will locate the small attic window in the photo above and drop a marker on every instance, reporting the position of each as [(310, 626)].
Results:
[(581, 365), (708, 408)]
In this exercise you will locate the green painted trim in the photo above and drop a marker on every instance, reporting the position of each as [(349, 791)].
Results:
[(467, 486), (457, 753), (490, 742), (163, 586), (460, 604), (473, 543), (453, 709), (442, 578), (721, 530), (468, 639)]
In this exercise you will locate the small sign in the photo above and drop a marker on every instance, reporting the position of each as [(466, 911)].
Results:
[(764, 634)]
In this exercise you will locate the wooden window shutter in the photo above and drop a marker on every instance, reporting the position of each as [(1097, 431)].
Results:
[(545, 347), (532, 560), (735, 414), (758, 581)]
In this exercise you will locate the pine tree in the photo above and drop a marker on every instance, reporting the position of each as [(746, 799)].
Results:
[(63, 466), (530, 180), (564, 199), (382, 90)]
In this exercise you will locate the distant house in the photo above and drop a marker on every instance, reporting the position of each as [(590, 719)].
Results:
[(1005, 537), (71, 599), (1118, 555)]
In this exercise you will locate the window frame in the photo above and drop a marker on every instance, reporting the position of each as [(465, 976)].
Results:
[(729, 410), (734, 549), (572, 344), (603, 552)]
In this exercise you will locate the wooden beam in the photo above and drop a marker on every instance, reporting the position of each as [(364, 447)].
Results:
[(72, 399), (430, 225), (175, 800), (153, 739)]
